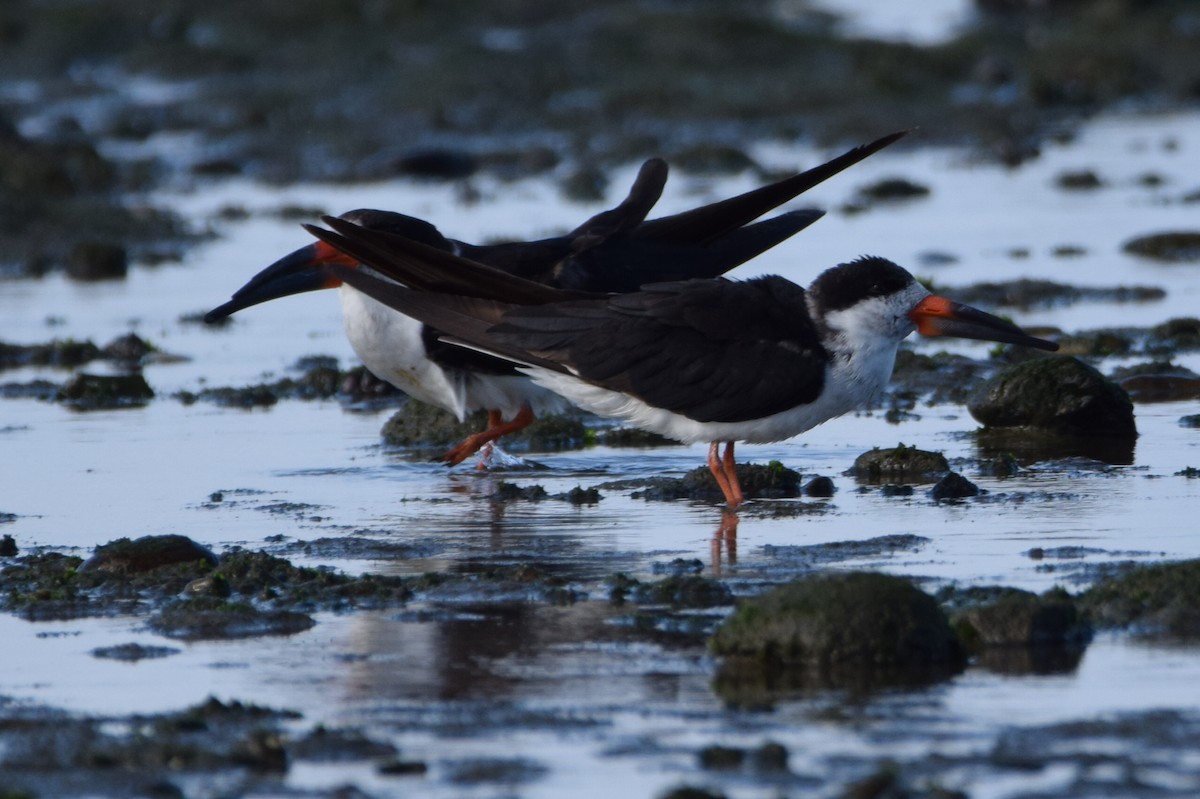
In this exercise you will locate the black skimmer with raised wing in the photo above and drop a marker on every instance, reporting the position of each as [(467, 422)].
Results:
[(614, 251), (707, 360)]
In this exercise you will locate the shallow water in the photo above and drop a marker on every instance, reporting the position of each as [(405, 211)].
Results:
[(593, 708)]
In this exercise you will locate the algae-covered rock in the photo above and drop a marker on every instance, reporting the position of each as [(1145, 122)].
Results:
[(953, 486), (1161, 599), (1172, 246), (215, 617), (1058, 395), (899, 464), (833, 620), (93, 260), (419, 425), (1016, 618), (771, 480), (126, 556), (103, 392)]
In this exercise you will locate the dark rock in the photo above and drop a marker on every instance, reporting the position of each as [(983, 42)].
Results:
[(770, 757), (713, 159), (689, 792), (403, 768), (683, 591), (1068, 251), (1175, 247), (832, 621), (953, 486), (587, 184), (132, 653), (1080, 179), (582, 496), (261, 750), (129, 348), (1016, 618), (1161, 387), (87, 392), (633, 437), (97, 261), (819, 487), (418, 424), (1161, 599), (1192, 420), (8, 544), (508, 492), (126, 556), (216, 618), (772, 480), (899, 463), (1029, 293), (892, 490), (436, 164), (260, 396), (1175, 334), (1059, 395), (721, 758), (60, 353), (1000, 465), (890, 189)]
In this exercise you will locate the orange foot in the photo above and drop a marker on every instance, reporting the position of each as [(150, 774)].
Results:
[(496, 428)]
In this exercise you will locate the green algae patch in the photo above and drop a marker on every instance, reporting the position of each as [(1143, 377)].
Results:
[(1062, 396), (1157, 600), (899, 464)]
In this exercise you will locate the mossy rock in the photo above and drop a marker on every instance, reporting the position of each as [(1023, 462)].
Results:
[(899, 464), (1017, 618), (217, 618), (1058, 395), (104, 392), (97, 261), (864, 619), (422, 426), (953, 486), (1161, 599), (771, 480), (132, 556)]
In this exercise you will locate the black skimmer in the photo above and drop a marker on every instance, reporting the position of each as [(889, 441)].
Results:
[(706, 360), (614, 251)]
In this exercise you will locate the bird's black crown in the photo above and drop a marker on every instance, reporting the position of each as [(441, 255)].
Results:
[(848, 284)]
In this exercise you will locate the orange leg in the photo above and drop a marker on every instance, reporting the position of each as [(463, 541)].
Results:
[(496, 428), (718, 470), (734, 495)]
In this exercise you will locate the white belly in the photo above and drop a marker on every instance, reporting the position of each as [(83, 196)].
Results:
[(390, 345), (849, 385)]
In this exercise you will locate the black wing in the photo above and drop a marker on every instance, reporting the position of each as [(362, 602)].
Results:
[(711, 350), (710, 222)]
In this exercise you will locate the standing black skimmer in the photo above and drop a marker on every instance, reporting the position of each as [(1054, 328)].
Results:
[(710, 360), (614, 251)]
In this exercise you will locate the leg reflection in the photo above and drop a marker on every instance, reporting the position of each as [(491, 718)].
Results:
[(724, 542)]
